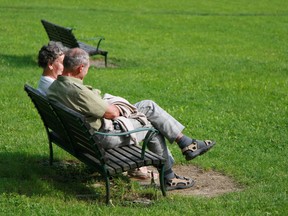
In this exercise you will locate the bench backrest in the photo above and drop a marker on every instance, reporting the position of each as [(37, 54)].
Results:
[(81, 133), (76, 135), (61, 34), (50, 120), (52, 123)]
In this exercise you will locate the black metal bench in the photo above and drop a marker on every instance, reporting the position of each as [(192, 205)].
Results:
[(70, 131), (67, 38)]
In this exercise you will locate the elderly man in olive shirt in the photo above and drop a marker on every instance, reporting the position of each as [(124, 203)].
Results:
[(70, 90)]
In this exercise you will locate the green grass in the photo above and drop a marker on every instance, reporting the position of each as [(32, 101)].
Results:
[(219, 67)]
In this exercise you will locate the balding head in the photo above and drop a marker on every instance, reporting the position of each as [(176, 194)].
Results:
[(74, 58)]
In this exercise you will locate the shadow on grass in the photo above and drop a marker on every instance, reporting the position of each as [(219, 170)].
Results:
[(18, 61), (32, 175)]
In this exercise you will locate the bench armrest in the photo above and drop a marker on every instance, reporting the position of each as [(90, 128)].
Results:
[(151, 133), (99, 39)]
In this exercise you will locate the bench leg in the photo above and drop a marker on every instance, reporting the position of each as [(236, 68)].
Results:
[(162, 183), (105, 60), (107, 183), (51, 153)]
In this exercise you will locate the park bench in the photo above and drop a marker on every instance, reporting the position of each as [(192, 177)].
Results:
[(70, 131), (68, 39)]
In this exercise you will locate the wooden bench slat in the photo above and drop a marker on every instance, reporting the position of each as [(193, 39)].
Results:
[(136, 151), (118, 166), (153, 158), (121, 160), (132, 157)]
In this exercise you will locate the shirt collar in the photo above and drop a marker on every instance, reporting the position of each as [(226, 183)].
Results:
[(70, 79)]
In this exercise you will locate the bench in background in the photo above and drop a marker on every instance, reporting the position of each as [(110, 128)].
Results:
[(67, 38), (70, 131)]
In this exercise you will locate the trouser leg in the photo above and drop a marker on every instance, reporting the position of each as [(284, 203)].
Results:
[(160, 119), (157, 144), (159, 147)]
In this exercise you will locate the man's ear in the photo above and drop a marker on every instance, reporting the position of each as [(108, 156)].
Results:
[(80, 68)]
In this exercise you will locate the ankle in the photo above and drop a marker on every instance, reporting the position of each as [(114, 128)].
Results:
[(184, 141), (169, 174)]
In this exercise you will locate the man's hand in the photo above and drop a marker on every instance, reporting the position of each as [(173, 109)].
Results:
[(112, 112)]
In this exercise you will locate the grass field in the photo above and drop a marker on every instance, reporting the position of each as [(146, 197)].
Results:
[(219, 67)]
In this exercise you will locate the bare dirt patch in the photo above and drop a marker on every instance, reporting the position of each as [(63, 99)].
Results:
[(208, 183)]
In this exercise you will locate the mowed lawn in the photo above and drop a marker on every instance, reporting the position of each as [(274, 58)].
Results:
[(219, 67)]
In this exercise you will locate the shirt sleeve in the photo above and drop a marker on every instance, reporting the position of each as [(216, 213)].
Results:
[(91, 104)]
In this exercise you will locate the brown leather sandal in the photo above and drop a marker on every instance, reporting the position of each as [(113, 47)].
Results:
[(178, 182), (196, 148)]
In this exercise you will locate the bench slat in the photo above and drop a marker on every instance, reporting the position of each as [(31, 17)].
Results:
[(117, 166), (152, 158), (123, 161), (129, 156)]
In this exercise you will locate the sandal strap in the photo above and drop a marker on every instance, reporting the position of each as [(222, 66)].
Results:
[(194, 146), (178, 180), (208, 142)]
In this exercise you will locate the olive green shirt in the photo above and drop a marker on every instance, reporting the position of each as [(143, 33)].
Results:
[(71, 92)]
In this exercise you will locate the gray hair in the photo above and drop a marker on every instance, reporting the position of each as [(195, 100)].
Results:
[(74, 58), (49, 53)]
